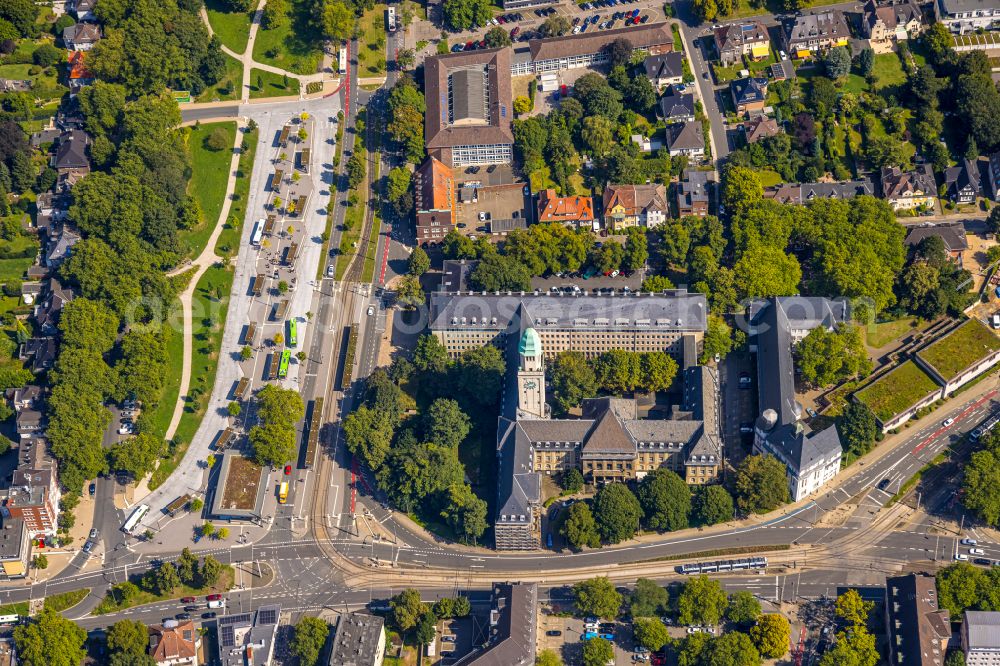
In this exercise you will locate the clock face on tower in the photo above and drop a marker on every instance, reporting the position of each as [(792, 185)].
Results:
[(530, 385)]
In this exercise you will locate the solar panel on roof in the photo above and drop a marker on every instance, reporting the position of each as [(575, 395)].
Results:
[(228, 636), (267, 616)]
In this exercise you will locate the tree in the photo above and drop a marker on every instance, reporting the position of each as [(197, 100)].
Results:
[(837, 62), (497, 272), (426, 628), (692, 648), (445, 423), (46, 55), (217, 140), (419, 262), (770, 635), (128, 637), (761, 485), (207, 529), (617, 512), (406, 608), (273, 444), (310, 635), (430, 354), (598, 135), (136, 455), (497, 38), (522, 105), (982, 486), (187, 567), (656, 371), (866, 61), (597, 596), (571, 380), (409, 292), (718, 339), (743, 608), (858, 428), (369, 435), (701, 601), (87, 324), (619, 52), (617, 371), (463, 14), (765, 270), (636, 246), (211, 569), (649, 599), (656, 283), (275, 14), (556, 25), (733, 649), (651, 633), (579, 527), (196, 505), (40, 562), (550, 658), (465, 513), (853, 609), (665, 500), (479, 373), (234, 409), (571, 480), (828, 357), (338, 20), (854, 648), (598, 652), (712, 504), (50, 640), (406, 59), (955, 658), (741, 189)]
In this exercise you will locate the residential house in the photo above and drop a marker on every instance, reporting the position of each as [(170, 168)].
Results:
[(962, 16), (665, 69), (513, 630), (806, 35), (749, 95), (890, 22), (981, 638), (79, 76), (801, 194), (746, 38), (247, 639), (962, 182), (34, 492), (574, 211), (47, 136), (759, 127), (70, 160), (469, 113), (646, 144), (918, 630), (906, 190), (993, 172), (586, 49), (359, 641), (676, 107), (634, 206), (686, 139), (15, 548), (48, 309), (41, 352), (951, 234), (82, 9), (811, 458), (434, 186), (62, 238), (692, 192), (175, 645), (81, 36)]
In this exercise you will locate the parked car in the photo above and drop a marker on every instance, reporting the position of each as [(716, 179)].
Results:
[(288, 470), (211, 597), (89, 546), (961, 557), (207, 616), (976, 551), (983, 560), (93, 533), (92, 489), (553, 632), (188, 600)]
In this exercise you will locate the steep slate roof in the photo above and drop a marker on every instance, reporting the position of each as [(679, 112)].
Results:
[(513, 643), (664, 66), (635, 199), (173, 643), (962, 175), (760, 127), (440, 127), (897, 183), (676, 105), (72, 150), (749, 91), (736, 35), (82, 33), (587, 43), (685, 136), (608, 436), (952, 234), (829, 24), (917, 627)]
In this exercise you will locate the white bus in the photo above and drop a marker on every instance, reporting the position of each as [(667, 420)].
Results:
[(390, 19), (258, 232), (133, 520), (342, 60), (9, 619)]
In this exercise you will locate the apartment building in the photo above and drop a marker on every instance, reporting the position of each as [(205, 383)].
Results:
[(434, 187), (634, 206), (962, 16), (587, 49), (981, 638), (918, 630), (807, 35)]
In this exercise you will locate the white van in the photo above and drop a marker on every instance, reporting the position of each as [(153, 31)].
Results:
[(218, 603)]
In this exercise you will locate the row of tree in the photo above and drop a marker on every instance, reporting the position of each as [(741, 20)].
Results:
[(273, 439), (410, 614)]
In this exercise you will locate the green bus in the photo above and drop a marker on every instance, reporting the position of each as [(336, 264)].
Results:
[(293, 333), (286, 356)]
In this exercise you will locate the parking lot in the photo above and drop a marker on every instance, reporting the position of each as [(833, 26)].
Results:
[(502, 205), (564, 635)]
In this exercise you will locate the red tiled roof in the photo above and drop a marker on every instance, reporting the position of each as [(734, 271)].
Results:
[(564, 209)]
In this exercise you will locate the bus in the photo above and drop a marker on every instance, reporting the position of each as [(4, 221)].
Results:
[(390, 19), (293, 333), (283, 492), (286, 356), (258, 231), (9, 619), (342, 60), (133, 521)]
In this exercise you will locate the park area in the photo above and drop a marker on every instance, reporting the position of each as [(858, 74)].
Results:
[(960, 349), (896, 391), (232, 28), (293, 44)]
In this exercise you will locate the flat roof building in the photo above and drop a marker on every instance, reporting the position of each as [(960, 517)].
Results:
[(360, 641), (15, 547), (240, 489)]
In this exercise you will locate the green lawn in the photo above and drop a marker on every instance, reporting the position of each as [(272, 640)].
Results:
[(371, 43), (66, 600), (769, 178), (898, 390), (961, 348), (19, 608), (228, 86), (888, 71), (355, 215), (209, 173), (269, 84), (880, 334), (678, 42), (45, 82), (229, 237), (211, 300), (232, 28), (744, 8), (158, 417), (22, 251), (294, 45)]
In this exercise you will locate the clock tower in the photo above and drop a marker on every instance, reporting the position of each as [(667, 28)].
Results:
[(531, 376)]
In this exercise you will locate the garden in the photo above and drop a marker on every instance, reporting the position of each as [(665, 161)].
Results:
[(897, 391)]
